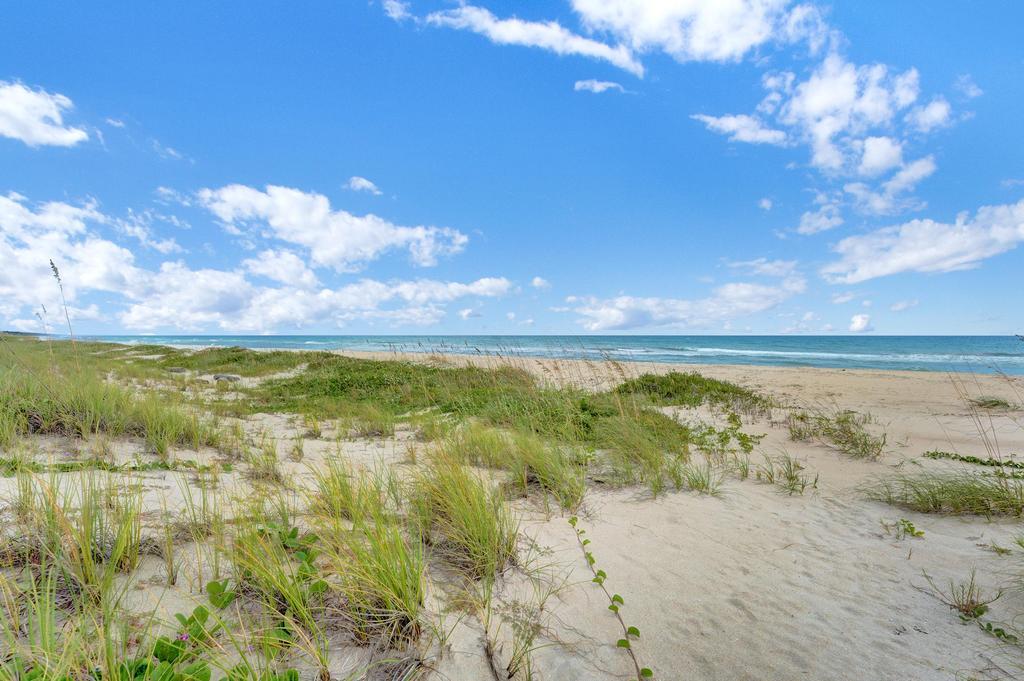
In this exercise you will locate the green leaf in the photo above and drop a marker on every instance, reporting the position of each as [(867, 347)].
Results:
[(622, 643), (602, 574), (633, 631), (618, 599), (646, 673), (613, 607), (586, 541), (573, 520)]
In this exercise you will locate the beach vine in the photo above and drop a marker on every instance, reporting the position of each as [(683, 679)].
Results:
[(615, 602)]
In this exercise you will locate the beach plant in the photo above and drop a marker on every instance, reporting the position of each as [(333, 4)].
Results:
[(976, 460), (842, 429), (615, 602), (381, 573), (959, 493), (692, 389), (463, 518), (965, 597)]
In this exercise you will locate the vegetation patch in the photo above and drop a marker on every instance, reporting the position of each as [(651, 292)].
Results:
[(958, 493)]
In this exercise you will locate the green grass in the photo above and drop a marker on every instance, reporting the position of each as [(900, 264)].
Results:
[(82, 404), (959, 493), (693, 390), (340, 493), (463, 518), (990, 402), (843, 430), (382, 580), (235, 360)]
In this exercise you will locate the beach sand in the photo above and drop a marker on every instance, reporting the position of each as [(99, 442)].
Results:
[(751, 584), (756, 584)]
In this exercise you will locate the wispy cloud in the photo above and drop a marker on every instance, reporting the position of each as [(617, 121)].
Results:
[(36, 117)]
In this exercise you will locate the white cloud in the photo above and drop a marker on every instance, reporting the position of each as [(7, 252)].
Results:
[(282, 266), (361, 184), (547, 35), (540, 282), (860, 323), (175, 295), (597, 86), (36, 117), (936, 114), (966, 86), (841, 298), (727, 302), (396, 9), (510, 316), (115, 122), (139, 225), (469, 313), (841, 99), (903, 305), (880, 154), (765, 204), (701, 30), (826, 216), (928, 246), (742, 128), (765, 267), (890, 198), (335, 238)]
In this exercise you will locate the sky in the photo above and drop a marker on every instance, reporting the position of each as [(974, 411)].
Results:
[(485, 167)]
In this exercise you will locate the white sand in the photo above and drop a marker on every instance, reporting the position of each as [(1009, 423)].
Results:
[(750, 585)]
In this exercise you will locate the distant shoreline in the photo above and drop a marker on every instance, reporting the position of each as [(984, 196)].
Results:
[(942, 354)]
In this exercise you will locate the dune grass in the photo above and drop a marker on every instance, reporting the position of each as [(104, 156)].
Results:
[(463, 518), (692, 390), (83, 404), (958, 493), (843, 430)]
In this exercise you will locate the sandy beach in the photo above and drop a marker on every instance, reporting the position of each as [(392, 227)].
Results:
[(749, 583)]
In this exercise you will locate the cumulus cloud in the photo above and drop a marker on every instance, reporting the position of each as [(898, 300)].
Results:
[(36, 117), (765, 204), (880, 154), (826, 216), (839, 101), (335, 238), (935, 114), (282, 266), (361, 184), (891, 197), (547, 35), (597, 86), (397, 10), (860, 323), (540, 282), (928, 246), (726, 303), (469, 313), (701, 30), (179, 296), (742, 128)]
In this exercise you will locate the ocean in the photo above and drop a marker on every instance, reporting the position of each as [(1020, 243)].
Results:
[(917, 353)]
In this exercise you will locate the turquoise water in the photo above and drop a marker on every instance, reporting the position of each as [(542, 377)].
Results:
[(922, 353)]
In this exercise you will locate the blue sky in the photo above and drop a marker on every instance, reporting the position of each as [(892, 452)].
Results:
[(577, 166)]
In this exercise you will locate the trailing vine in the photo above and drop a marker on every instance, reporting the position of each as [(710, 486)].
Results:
[(615, 603)]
